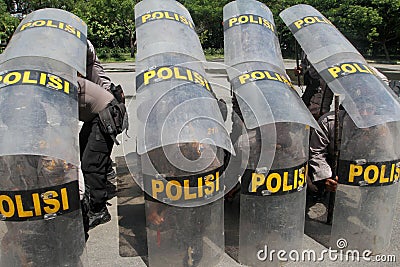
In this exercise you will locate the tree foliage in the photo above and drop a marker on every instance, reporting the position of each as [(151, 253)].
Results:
[(8, 24), (373, 26)]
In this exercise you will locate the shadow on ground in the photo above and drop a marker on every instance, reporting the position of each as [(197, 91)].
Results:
[(131, 211), (315, 220)]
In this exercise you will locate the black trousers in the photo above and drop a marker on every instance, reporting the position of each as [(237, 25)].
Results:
[(95, 150)]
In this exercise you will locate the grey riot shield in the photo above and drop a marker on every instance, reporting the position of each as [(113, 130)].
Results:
[(368, 172), (175, 102), (272, 200), (181, 140), (272, 188), (250, 35), (61, 31), (40, 215), (341, 66), (184, 207), (255, 67), (160, 24)]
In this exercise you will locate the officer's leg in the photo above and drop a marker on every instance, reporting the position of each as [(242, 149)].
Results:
[(95, 159)]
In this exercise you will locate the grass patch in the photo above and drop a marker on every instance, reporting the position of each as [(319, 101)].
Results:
[(124, 57), (214, 57), (116, 54)]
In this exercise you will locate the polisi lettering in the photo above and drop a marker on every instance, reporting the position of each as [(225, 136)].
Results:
[(263, 75), (279, 181), (13, 205), (51, 24), (33, 77), (172, 72), (309, 21), (249, 19), (157, 15), (374, 174), (349, 68), (181, 190)]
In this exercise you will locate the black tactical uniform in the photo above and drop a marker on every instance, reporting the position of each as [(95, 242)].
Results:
[(103, 117)]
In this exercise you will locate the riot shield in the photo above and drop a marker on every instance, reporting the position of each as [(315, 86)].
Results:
[(272, 200), (63, 33), (255, 67), (277, 122), (368, 172), (184, 207), (250, 35), (181, 140), (160, 24), (41, 218), (342, 67)]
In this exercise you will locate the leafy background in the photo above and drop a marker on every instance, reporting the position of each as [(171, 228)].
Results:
[(373, 26)]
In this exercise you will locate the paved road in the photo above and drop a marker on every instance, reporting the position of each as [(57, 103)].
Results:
[(121, 242)]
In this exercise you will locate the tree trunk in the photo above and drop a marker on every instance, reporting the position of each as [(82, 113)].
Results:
[(386, 51), (132, 44)]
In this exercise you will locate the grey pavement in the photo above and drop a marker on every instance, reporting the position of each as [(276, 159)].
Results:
[(121, 241)]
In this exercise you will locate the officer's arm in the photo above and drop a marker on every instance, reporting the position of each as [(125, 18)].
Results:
[(94, 70), (319, 143)]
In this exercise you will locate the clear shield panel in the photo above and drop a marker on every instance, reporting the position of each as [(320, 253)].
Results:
[(255, 67), (41, 220), (39, 109), (250, 34), (363, 216), (184, 205), (261, 89), (342, 67), (174, 22), (305, 21), (187, 236), (50, 33), (368, 175), (273, 200), (39, 144), (179, 112)]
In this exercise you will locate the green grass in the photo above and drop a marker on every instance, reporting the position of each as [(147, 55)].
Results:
[(126, 57), (214, 56), (123, 57)]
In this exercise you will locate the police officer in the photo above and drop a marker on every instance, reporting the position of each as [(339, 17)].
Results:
[(317, 95), (95, 73), (103, 117), (322, 150), (321, 154), (96, 143)]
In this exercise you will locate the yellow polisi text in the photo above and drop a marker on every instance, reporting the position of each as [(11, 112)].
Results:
[(263, 75), (184, 189), (374, 174), (278, 182), (45, 203), (349, 68), (309, 21), (52, 24), (157, 15), (32, 77), (249, 19), (175, 73)]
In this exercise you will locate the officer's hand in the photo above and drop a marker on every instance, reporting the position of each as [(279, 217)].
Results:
[(155, 218), (331, 184), (298, 71)]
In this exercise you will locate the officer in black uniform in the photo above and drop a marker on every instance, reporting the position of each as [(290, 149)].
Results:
[(103, 118), (100, 101)]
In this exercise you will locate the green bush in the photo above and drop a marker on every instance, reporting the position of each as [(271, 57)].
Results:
[(103, 53), (213, 51)]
